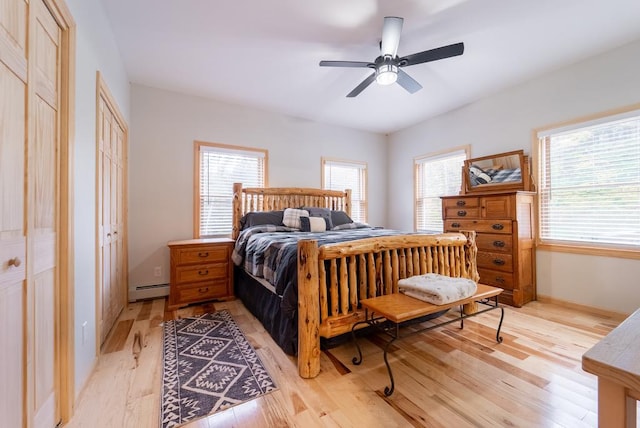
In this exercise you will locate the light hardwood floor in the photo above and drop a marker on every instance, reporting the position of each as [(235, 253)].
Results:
[(444, 378)]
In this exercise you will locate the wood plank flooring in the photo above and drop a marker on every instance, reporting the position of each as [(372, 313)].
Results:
[(443, 378)]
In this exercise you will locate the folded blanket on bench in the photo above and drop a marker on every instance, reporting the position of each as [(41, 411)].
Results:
[(437, 289)]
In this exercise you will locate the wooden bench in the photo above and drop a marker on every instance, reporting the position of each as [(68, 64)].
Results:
[(616, 362), (387, 313)]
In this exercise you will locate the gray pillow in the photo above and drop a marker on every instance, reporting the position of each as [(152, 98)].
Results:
[(338, 218), (262, 217), (325, 213)]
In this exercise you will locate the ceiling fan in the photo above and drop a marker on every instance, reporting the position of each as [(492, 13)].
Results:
[(387, 67)]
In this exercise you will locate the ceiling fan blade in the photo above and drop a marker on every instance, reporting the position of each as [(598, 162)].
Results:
[(433, 54), (391, 31), (344, 64), (408, 82), (361, 87)]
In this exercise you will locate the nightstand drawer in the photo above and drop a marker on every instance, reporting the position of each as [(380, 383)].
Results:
[(210, 290), (202, 254), (187, 274)]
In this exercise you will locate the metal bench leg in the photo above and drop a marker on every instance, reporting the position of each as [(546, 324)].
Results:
[(388, 390), (498, 337)]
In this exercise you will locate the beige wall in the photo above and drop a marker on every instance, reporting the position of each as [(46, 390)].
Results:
[(163, 127), (504, 122)]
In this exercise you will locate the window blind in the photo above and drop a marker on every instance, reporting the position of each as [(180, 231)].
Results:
[(341, 175), (219, 169), (436, 176), (590, 184)]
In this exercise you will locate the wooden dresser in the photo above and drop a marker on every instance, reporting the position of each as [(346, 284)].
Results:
[(201, 269), (505, 228)]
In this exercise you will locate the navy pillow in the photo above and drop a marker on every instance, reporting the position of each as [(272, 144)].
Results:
[(339, 218), (261, 217)]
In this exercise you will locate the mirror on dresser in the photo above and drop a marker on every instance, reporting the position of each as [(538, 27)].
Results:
[(496, 173)]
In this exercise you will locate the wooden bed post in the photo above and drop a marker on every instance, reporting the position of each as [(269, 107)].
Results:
[(237, 210), (470, 264), (308, 310), (347, 203)]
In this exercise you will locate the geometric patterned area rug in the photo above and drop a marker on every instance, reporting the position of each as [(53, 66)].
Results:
[(208, 365)]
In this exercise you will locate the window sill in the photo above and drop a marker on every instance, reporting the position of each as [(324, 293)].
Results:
[(622, 253)]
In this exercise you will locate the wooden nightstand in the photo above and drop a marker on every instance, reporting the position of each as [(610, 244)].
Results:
[(201, 269)]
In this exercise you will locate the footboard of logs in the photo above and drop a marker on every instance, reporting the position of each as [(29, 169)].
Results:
[(332, 280)]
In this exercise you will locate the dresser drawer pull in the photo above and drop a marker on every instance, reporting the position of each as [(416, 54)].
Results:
[(455, 224), (203, 254), (499, 280), (462, 213), (498, 244), (498, 262), (203, 290), (497, 226), (203, 272), (461, 203)]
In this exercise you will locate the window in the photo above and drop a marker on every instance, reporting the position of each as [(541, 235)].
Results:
[(218, 167), (589, 183), (436, 175), (341, 175)]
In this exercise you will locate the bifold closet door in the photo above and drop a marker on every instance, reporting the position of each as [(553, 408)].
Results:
[(13, 113), (111, 216), (29, 147)]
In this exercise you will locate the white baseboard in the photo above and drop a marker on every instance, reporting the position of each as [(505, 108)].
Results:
[(142, 292)]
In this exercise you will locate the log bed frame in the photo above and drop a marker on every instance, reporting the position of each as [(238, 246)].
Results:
[(358, 269)]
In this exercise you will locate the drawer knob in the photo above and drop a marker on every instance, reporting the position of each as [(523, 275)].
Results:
[(461, 203), (498, 262), (499, 280), (462, 213), (14, 262), (203, 272), (455, 224), (497, 226), (498, 244), (203, 290), (205, 254)]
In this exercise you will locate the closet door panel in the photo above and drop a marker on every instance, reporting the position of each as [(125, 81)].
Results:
[(13, 259), (42, 189)]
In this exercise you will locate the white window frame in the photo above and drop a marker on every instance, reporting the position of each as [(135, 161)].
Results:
[(199, 148), (359, 197), (541, 138), (420, 197)]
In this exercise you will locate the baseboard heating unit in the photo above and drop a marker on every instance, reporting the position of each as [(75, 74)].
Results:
[(142, 292)]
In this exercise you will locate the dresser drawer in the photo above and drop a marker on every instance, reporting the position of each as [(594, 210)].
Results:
[(497, 261), (494, 242), (210, 290), (203, 254), (206, 272), (496, 278), (497, 226), (461, 203), (462, 212)]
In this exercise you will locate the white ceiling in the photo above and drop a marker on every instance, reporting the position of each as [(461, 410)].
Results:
[(265, 53)]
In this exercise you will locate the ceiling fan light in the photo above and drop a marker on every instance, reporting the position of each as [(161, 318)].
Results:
[(386, 74)]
